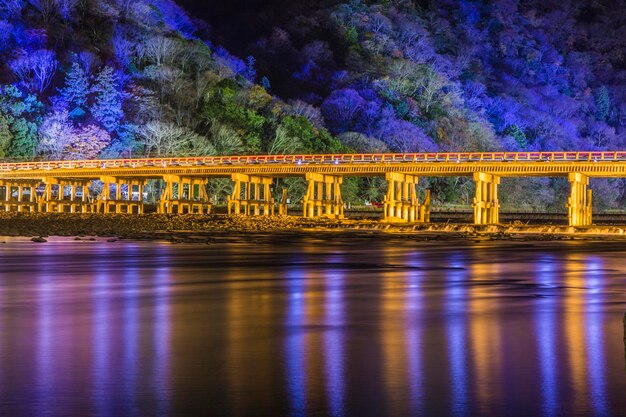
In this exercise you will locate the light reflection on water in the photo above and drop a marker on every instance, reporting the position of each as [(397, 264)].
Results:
[(455, 301), (546, 334), (311, 327)]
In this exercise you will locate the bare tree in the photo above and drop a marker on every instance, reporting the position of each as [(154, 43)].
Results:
[(160, 50), (35, 69), (162, 139)]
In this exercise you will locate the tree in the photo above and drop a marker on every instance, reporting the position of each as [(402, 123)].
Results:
[(5, 136), (56, 133), (22, 113), (341, 109), (284, 143), (160, 50), (11, 8), (226, 140), (6, 35), (603, 103), (402, 136), (74, 93), (35, 68), (166, 139), (66, 8), (87, 142), (107, 106)]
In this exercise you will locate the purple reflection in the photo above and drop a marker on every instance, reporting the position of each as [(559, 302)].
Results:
[(130, 331), (334, 344), (456, 308), (295, 343), (547, 333), (101, 345), (45, 310), (2, 333), (161, 340), (596, 363), (414, 305)]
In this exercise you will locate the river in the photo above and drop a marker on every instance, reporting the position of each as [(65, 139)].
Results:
[(312, 325)]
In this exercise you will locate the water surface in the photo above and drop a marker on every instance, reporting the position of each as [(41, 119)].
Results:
[(312, 326)]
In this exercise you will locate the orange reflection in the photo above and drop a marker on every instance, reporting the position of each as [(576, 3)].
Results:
[(393, 336), (249, 302), (485, 333), (573, 302)]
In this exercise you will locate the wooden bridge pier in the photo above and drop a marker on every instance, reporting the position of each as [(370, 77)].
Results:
[(579, 201), (62, 195), (486, 204), (121, 195), (323, 196), (401, 202), (25, 195), (251, 195), (184, 195)]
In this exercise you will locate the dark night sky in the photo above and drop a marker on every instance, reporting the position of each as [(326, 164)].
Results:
[(237, 23)]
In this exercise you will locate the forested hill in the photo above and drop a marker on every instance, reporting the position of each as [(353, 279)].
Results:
[(109, 78), (444, 74)]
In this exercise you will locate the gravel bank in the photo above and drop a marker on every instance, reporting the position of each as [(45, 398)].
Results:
[(158, 226)]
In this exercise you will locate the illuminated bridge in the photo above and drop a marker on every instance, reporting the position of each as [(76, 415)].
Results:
[(118, 185)]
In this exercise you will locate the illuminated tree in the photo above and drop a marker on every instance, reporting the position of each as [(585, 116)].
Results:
[(35, 68), (5, 136), (74, 93), (166, 139), (226, 140), (160, 50), (284, 143), (107, 106), (87, 143), (342, 108), (56, 133), (11, 8), (22, 113)]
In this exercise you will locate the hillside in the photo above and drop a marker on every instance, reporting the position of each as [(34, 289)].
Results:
[(86, 79), (115, 78), (449, 75)]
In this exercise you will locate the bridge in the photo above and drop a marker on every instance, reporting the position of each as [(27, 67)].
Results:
[(118, 185)]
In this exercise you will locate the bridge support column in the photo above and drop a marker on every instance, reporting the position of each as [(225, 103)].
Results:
[(579, 201), (323, 196), (63, 196), (184, 195), (425, 208), (282, 207), (401, 203), (121, 195), (25, 192), (486, 204), (251, 195)]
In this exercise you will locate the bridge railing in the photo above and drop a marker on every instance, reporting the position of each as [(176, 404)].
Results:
[(599, 156)]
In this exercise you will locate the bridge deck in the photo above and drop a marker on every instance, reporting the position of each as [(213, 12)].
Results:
[(505, 164)]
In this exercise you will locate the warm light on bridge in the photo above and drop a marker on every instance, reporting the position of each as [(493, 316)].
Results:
[(253, 176), (325, 159)]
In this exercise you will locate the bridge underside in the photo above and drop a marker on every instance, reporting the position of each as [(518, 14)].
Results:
[(119, 186)]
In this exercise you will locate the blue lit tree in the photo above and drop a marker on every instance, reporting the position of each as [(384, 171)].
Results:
[(107, 105), (74, 93)]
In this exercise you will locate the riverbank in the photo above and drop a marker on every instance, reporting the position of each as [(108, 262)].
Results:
[(203, 227)]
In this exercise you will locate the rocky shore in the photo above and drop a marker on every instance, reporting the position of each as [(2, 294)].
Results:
[(184, 227)]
